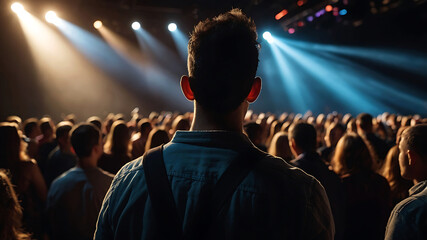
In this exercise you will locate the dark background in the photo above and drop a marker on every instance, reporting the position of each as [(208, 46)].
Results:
[(388, 23)]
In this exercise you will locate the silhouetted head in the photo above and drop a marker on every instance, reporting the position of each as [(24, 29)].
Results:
[(364, 123), (156, 138), (302, 137), (351, 155), (85, 137), (222, 61)]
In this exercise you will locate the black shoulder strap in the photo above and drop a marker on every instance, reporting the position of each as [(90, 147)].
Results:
[(163, 203), (212, 205), (160, 193)]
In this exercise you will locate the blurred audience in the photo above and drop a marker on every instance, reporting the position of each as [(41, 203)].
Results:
[(10, 212), (356, 149), (117, 148), (368, 200)]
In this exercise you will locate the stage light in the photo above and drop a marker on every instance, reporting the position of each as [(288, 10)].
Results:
[(267, 36), (328, 8), (281, 14), (17, 7), (136, 25), (51, 17), (97, 24), (172, 27), (343, 12), (291, 30), (300, 24), (310, 18), (300, 3)]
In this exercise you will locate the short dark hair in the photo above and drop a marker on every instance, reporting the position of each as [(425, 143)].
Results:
[(304, 135), (415, 138), (29, 125), (63, 129), (45, 125), (364, 120), (223, 60), (84, 137)]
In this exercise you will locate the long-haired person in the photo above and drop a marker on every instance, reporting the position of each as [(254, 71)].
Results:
[(117, 148), (279, 146), (368, 194), (10, 211), (26, 176), (157, 137)]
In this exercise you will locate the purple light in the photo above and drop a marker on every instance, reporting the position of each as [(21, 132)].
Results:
[(320, 13), (310, 18)]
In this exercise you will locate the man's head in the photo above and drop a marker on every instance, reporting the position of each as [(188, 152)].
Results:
[(413, 153), (86, 141), (333, 134), (46, 127), (62, 133), (364, 123), (31, 128), (302, 138), (222, 62)]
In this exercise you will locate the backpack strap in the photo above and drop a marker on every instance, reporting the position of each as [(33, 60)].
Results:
[(160, 194), (212, 204)]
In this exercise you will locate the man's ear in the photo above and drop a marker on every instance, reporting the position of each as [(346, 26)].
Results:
[(255, 90), (412, 157), (186, 89)]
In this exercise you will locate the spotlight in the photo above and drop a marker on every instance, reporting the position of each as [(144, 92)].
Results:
[(97, 24), (328, 8), (267, 36), (281, 14), (343, 12), (291, 30), (136, 25), (17, 7), (310, 18), (172, 27), (51, 17)]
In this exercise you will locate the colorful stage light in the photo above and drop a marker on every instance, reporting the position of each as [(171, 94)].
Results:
[(310, 18), (17, 7), (51, 17), (97, 24), (291, 30), (267, 36), (343, 12), (300, 3), (281, 14), (172, 27), (136, 25), (328, 8)]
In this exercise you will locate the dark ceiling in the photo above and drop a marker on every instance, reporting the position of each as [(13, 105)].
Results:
[(368, 22)]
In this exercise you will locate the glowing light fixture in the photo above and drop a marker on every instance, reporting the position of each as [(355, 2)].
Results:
[(300, 3), (291, 30), (343, 12), (328, 8), (17, 7), (51, 17), (267, 36), (97, 24), (172, 27), (136, 25), (281, 14)]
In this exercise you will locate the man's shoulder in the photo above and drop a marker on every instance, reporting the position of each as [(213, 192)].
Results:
[(413, 204)]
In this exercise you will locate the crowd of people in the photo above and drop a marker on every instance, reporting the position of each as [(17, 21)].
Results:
[(235, 174), (354, 158)]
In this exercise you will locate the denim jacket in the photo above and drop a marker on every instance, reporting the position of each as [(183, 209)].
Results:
[(275, 201), (409, 218)]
